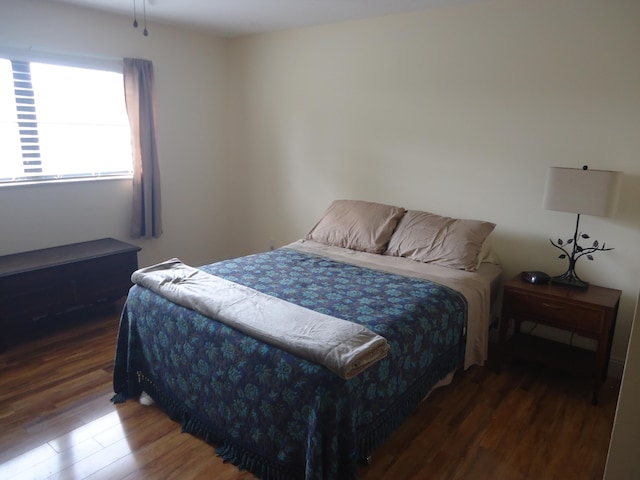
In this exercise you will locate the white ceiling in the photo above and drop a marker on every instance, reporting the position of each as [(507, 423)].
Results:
[(242, 17)]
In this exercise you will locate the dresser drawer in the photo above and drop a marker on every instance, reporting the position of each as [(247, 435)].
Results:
[(581, 319)]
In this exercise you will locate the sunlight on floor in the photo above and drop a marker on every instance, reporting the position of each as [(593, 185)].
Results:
[(67, 452)]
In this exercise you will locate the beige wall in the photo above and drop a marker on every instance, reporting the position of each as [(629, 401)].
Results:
[(191, 81), (458, 111), (623, 462), (455, 110)]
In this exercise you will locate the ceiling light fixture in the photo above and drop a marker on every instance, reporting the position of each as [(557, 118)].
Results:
[(144, 14)]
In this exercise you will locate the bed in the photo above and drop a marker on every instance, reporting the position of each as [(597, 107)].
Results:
[(418, 284)]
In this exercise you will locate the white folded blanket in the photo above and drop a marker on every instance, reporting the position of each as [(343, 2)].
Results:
[(344, 347)]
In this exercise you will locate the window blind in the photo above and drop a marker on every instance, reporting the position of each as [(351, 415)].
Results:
[(26, 115)]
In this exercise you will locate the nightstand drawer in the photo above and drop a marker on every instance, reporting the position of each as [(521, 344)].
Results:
[(556, 313)]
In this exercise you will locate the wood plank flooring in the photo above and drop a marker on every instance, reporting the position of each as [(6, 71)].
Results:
[(56, 421)]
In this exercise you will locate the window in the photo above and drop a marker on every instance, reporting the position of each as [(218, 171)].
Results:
[(61, 122)]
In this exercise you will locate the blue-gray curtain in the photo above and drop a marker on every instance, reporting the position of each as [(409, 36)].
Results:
[(139, 87)]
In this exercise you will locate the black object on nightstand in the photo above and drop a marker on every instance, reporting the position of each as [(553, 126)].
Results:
[(534, 276)]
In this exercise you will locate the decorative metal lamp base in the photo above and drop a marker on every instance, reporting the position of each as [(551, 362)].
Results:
[(569, 279)]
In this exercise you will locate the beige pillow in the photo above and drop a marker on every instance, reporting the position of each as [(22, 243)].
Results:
[(446, 241), (358, 225)]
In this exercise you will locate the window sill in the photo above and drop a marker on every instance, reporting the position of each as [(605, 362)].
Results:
[(59, 181)]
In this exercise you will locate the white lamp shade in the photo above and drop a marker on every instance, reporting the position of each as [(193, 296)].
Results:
[(576, 190)]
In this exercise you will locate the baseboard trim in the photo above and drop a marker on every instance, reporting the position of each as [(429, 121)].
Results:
[(616, 367)]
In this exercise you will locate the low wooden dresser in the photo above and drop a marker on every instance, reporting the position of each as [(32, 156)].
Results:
[(48, 281), (590, 313)]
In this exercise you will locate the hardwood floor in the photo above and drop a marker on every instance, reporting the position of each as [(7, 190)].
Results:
[(56, 421)]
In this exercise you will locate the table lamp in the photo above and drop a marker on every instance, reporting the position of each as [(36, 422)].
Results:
[(580, 191)]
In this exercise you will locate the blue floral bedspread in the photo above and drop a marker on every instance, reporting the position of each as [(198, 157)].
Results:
[(273, 413)]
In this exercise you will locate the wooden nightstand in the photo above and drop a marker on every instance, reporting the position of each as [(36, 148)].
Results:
[(589, 312)]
